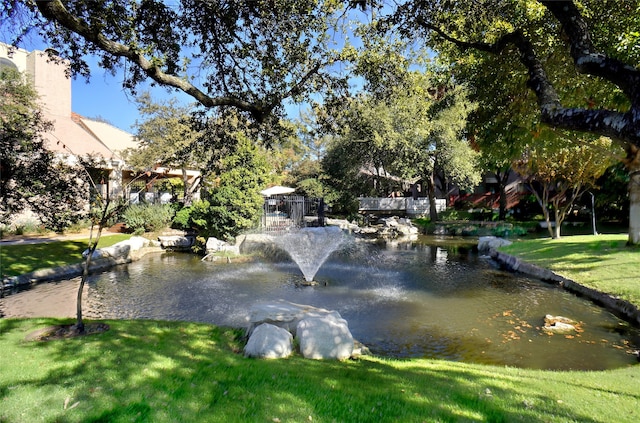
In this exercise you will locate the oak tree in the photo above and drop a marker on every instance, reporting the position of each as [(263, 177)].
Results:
[(579, 59)]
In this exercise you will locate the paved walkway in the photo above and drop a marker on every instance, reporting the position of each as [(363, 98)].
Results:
[(51, 237)]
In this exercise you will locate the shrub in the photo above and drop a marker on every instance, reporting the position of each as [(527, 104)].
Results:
[(508, 230), (141, 218), (182, 219)]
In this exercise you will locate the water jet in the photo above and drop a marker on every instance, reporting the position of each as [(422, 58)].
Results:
[(310, 247)]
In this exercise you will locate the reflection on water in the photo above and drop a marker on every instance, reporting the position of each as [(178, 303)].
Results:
[(404, 300)]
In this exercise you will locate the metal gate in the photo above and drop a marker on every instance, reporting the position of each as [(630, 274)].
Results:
[(284, 212)]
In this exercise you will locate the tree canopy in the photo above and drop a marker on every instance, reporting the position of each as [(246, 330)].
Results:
[(559, 171), (167, 136), (247, 54), (590, 38), (253, 54)]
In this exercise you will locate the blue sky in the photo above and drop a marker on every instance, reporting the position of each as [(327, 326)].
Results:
[(104, 97)]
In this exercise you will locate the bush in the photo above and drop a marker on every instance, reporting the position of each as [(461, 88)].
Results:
[(505, 231), (141, 218), (196, 216), (182, 219)]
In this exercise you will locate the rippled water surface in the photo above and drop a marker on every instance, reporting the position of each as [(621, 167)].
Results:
[(401, 300)]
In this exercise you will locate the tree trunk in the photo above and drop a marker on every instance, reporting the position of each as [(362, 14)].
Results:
[(85, 272), (187, 195), (431, 192), (559, 219), (502, 203), (543, 202), (634, 208), (632, 162), (502, 178)]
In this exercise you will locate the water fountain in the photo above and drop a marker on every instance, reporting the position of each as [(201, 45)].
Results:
[(310, 247)]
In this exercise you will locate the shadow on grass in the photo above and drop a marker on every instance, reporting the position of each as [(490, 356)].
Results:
[(18, 259), (172, 371), (587, 251)]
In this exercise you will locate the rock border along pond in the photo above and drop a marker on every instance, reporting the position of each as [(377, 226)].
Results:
[(622, 308)]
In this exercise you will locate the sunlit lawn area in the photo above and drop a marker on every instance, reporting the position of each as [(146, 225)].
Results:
[(25, 258), (179, 371), (603, 262)]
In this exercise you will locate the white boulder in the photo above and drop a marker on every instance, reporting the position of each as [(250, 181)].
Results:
[(284, 314), (269, 341), (325, 337)]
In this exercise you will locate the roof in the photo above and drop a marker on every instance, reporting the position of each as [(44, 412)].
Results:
[(276, 190), (69, 137), (114, 138)]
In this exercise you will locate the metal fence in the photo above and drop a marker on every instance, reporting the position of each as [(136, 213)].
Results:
[(412, 207), (283, 212)]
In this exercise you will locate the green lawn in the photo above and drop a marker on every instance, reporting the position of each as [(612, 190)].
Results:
[(603, 262), (184, 372), (24, 258)]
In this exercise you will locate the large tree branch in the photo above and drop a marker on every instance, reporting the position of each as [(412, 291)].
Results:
[(55, 11), (585, 56), (623, 127)]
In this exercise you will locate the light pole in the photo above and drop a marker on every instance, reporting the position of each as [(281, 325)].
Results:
[(593, 213)]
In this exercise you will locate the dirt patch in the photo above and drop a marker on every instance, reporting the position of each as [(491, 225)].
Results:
[(51, 333)]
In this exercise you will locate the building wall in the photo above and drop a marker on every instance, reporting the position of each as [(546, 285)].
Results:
[(48, 77), (51, 82)]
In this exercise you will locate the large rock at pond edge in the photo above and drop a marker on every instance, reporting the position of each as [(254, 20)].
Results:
[(488, 243), (284, 314), (176, 242), (269, 341), (120, 250), (215, 245), (324, 337)]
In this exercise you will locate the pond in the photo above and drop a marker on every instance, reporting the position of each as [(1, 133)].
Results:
[(427, 298)]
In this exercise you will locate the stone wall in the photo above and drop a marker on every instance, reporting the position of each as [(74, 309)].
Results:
[(620, 307)]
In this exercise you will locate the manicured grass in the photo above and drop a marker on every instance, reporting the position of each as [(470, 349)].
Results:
[(175, 371), (24, 258), (603, 262)]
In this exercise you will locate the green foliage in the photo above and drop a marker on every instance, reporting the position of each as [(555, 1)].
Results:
[(233, 204), (560, 170), (168, 135), (455, 214), (235, 200), (409, 125), (506, 231), (31, 176), (182, 218), (145, 217)]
